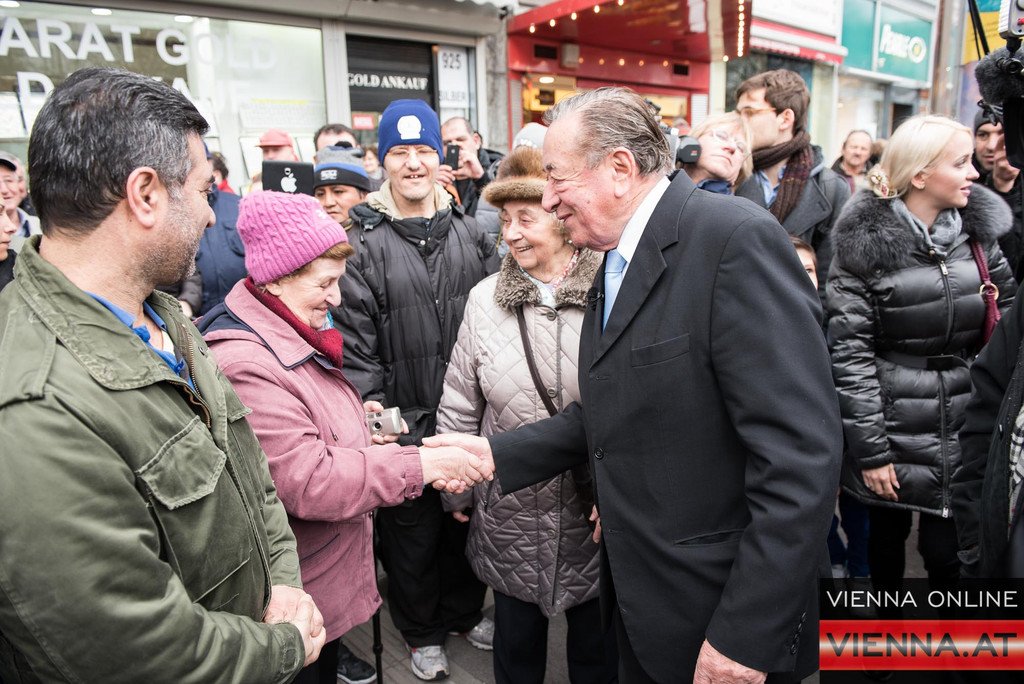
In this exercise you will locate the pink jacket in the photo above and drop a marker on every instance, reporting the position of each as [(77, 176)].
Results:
[(310, 422)]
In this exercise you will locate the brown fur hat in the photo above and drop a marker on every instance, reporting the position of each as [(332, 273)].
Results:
[(520, 177)]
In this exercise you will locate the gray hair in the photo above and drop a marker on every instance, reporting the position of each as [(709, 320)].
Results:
[(613, 117)]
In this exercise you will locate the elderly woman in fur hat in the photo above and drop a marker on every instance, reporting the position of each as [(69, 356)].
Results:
[(515, 363)]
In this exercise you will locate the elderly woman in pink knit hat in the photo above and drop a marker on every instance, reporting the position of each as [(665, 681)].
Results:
[(273, 337)]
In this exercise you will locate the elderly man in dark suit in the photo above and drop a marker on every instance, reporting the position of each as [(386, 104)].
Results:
[(708, 412)]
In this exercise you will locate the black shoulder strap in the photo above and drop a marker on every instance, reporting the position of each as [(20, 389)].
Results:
[(541, 390)]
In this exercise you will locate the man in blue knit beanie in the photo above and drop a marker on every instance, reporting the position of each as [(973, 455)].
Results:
[(417, 257)]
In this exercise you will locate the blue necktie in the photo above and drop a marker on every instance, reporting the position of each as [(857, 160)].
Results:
[(614, 265)]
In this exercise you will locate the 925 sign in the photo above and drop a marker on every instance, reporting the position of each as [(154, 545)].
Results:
[(453, 77), (452, 60)]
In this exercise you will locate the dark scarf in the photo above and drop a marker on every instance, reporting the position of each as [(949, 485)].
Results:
[(328, 342), (799, 162)]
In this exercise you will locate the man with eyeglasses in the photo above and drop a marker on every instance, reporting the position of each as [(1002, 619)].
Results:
[(13, 192), (417, 257), (790, 177)]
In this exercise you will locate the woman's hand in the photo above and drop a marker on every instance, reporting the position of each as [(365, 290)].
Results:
[(375, 407), (882, 481)]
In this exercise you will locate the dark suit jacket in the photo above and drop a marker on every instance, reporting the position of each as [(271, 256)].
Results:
[(713, 431)]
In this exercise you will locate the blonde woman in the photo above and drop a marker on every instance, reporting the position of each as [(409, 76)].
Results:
[(906, 319), (724, 159)]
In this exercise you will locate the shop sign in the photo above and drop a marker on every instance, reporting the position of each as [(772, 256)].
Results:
[(903, 45), (388, 81), (46, 39), (452, 77), (900, 47), (817, 16)]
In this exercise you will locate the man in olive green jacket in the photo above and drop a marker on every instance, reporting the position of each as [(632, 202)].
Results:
[(141, 538)]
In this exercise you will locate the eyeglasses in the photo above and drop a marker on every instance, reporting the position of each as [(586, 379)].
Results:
[(748, 112), (723, 136)]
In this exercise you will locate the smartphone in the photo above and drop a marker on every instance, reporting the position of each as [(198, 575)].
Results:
[(451, 155)]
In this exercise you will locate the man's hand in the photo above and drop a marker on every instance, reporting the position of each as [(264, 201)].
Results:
[(469, 166), (479, 446), (882, 481), (715, 668), (460, 516), (310, 624), (1003, 175), (453, 468), (471, 443), (284, 602), (445, 175)]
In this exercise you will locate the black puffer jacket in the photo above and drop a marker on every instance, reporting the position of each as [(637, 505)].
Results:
[(981, 486), (403, 297), (904, 325)]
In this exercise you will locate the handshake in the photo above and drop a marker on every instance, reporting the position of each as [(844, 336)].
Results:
[(453, 462)]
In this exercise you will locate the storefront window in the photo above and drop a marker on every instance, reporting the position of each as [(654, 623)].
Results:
[(859, 107), (245, 77), (381, 71)]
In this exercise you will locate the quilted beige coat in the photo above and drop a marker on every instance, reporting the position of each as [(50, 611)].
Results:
[(534, 544)]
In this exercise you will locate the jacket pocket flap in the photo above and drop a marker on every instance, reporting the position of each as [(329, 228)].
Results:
[(712, 538), (186, 468), (660, 351)]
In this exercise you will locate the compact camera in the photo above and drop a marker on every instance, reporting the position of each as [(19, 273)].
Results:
[(386, 422)]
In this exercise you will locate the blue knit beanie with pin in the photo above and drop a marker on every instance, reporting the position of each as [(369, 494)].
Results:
[(408, 122)]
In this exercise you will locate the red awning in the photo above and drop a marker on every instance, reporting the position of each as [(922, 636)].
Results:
[(673, 28), (795, 42)]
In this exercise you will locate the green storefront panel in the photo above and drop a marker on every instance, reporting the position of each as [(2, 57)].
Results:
[(858, 33), (903, 44)]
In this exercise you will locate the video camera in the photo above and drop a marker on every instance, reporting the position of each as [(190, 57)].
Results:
[(1001, 82), (681, 148)]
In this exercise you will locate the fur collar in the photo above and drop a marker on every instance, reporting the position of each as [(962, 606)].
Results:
[(514, 288), (868, 235)]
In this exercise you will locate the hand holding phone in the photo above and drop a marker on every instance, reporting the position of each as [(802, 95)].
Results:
[(451, 155)]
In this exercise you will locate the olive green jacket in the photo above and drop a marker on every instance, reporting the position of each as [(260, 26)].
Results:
[(140, 532)]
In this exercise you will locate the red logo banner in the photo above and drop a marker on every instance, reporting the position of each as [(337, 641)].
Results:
[(921, 644)]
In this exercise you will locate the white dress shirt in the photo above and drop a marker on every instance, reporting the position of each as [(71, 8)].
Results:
[(634, 229)]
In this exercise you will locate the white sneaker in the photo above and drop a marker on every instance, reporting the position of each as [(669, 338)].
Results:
[(429, 663), (481, 636)]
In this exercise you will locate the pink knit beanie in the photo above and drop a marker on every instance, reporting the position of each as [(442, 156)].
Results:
[(283, 232)]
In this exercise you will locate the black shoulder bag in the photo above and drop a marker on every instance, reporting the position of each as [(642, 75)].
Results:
[(581, 473)]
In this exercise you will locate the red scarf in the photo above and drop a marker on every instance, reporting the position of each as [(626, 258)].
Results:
[(328, 342)]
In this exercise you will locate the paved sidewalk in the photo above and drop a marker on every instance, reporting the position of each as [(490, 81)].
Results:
[(468, 665), (472, 666)]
